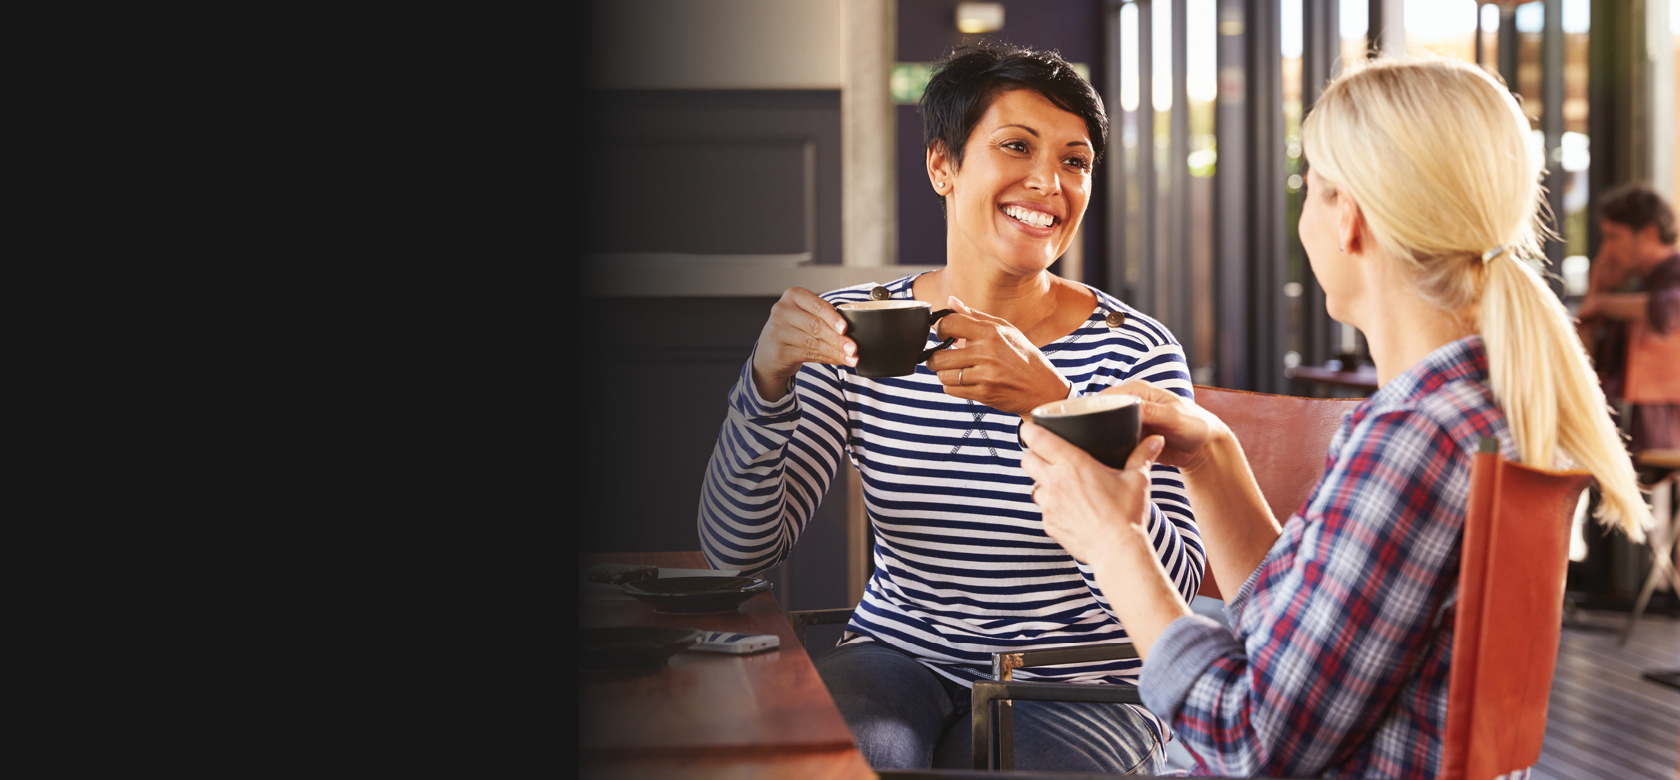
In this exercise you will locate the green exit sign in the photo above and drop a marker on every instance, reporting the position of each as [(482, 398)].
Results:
[(909, 79)]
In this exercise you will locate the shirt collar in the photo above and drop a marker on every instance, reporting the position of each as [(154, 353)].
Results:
[(1454, 361)]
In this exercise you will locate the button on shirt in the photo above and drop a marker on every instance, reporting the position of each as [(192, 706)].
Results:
[(1336, 662)]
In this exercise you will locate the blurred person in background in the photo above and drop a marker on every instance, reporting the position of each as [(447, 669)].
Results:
[(1630, 317)]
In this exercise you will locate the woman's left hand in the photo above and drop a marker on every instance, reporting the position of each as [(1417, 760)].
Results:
[(996, 366), (1088, 508)]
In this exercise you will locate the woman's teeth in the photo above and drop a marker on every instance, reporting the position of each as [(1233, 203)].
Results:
[(1034, 218)]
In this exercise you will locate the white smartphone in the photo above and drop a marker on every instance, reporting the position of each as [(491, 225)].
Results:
[(736, 644)]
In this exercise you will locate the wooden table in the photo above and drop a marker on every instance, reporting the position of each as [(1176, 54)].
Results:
[(1668, 460), (1363, 381), (765, 715)]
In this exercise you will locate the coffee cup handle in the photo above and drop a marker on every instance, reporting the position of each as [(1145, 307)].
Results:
[(946, 343)]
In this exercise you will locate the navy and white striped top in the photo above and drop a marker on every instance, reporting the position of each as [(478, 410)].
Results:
[(963, 567)]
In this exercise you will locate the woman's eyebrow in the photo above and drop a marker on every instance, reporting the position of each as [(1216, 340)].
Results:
[(1035, 133)]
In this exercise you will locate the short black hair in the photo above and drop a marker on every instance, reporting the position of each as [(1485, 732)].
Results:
[(1636, 206), (968, 78)]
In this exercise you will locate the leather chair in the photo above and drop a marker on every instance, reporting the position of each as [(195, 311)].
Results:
[(1286, 441), (1510, 614)]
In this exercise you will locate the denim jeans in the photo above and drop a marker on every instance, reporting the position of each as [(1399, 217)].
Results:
[(905, 716)]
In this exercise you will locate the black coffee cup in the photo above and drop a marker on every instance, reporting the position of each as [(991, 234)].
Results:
[(1106, 425), (890, 335)]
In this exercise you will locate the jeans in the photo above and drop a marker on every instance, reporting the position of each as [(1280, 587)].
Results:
[(905, 716)]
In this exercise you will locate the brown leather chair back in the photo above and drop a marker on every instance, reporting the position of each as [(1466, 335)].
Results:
[(1510, 614), (1285, 439)]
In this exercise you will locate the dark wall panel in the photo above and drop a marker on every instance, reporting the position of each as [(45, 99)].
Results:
[(921, 221), (715, 172), (655, 398), (927, 28), (715, 197)]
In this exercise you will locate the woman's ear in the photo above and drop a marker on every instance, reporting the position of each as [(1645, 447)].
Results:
[(939, 167), (1350, 226)]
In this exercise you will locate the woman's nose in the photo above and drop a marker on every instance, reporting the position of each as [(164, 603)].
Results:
[(1045, 179)]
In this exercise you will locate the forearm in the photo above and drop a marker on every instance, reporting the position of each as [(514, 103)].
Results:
[(746, 519), (1139, 591), (1626, 307), (769, 470), (1236, 524), (1172, 536)]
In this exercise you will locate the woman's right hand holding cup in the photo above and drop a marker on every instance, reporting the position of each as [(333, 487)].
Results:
[(803, 328), (1188, 429)]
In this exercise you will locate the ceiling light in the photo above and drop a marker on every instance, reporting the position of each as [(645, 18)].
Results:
[(975, 18)]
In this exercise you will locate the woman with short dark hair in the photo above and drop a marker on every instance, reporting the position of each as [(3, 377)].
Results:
[(963, 568)]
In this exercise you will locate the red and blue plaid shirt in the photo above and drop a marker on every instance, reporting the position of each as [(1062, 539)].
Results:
[(1336, 660)]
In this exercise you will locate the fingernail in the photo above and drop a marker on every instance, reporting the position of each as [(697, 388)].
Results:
[(839, 326), (1154, 446), (850, 348)]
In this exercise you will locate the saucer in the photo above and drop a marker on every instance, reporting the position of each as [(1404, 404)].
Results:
[(685, 595)]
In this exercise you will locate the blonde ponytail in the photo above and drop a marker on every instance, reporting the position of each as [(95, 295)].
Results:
[(1544, 382), (1434, 151)]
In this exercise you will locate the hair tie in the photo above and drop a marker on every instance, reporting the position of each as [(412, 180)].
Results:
[(1492, 253)]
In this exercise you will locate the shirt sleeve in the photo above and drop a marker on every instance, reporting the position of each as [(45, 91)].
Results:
[(1337, 618), (1172, 525), (771, 466), (1662, 300), (1663, 308)]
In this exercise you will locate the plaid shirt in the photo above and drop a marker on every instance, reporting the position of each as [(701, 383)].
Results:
[(1336, 663)]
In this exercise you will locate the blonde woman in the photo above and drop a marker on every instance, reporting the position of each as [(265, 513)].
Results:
[(1422, 209)]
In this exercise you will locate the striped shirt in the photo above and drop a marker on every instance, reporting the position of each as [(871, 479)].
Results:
[(963, 567), (1337, 662)]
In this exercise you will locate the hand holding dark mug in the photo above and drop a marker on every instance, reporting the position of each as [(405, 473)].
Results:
[(1107, 426), (890, 335), (803, 328)]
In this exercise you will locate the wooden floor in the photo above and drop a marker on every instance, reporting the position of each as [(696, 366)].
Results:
[(1606, 720)]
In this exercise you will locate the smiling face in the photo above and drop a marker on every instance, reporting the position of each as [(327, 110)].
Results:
[(1022, 190)]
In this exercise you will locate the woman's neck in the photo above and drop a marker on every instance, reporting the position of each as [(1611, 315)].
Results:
[(1025, 301), (1403, 329)]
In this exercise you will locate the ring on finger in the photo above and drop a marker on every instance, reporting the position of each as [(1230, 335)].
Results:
[(959, 377), (1033, 494)]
